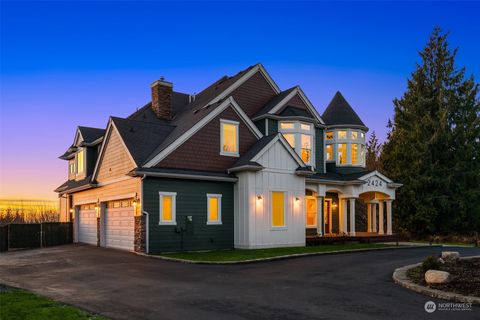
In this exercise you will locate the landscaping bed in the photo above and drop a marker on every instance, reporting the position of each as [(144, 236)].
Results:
[(465, 277), (255, 254), (20, 304)]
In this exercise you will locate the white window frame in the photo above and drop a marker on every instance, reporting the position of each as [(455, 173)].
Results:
[(82, 150), (285, 207), (297, 132), (315, 224), (172, 222), (237, 124), (219, 197), (348, 141)]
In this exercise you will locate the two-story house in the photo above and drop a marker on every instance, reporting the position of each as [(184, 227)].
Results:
[(241, 164)]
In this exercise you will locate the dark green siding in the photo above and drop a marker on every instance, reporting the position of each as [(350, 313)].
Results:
[(331, 167), (191, 200), (261, 125), (319, 153), (272, 126)]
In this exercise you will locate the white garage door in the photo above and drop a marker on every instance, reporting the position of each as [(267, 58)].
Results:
[(119, 228), (87, 226)]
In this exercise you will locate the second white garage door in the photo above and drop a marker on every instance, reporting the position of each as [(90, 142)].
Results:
[(119, 228)]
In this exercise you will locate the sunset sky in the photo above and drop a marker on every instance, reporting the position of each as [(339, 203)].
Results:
[(68, 64)]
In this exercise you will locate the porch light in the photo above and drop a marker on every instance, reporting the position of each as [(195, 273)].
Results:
[(71, 210), (259, 197), (297, 199), (134, 203), (334, 205)]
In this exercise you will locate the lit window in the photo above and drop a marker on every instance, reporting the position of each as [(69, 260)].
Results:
[(167, 208), (287, 125), (354, 153), (354, 135), (229, 138), (342, 153), (214, 209), (306, 148), (329, 135), (311, 212), (362, 135), (329, 152), (305, 127), (342, 134), (80, 161), (278, 209), (290, 139), (362, 154)]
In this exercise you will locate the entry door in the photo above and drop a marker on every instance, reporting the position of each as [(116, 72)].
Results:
[(311, 215), (327, 209)]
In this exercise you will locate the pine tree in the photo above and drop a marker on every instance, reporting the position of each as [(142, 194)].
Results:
[(433, 145), (374, 150)]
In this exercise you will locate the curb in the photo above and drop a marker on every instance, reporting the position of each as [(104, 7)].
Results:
[(284, 257), (400, 277)]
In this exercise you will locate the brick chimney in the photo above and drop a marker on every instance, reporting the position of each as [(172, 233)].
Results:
[(162, 99)]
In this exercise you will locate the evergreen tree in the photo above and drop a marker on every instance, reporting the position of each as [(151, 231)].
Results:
[(374, 150), (433, 145)]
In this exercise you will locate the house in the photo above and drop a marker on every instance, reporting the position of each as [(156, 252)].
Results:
[(241, 164)]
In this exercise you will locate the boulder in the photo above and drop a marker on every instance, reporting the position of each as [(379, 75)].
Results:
[(437, 277), (450, 255)]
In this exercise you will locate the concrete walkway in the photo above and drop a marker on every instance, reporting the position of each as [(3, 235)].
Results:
[(123, 285)]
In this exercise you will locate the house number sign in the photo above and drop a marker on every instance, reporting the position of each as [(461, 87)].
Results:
[(374, 182)]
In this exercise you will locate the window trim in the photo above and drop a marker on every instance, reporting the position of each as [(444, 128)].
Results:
[(285, 203), (219, 198), (237, 125), (172, 222), (84, 162), (297, 132), (316, 212)]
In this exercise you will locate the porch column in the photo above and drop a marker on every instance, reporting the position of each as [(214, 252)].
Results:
[(369, 217), (380, 217), (352, 217), (389, 216), (374, 220), (320, 220), (344, 216)]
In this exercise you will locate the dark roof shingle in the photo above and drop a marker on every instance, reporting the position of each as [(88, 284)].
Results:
[(339, 112), (90, 134)]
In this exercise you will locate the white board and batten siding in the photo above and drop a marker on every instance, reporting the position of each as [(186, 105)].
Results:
[(253, 226)]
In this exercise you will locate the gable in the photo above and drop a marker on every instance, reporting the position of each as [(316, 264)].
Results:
[(254, 94), (116, 162), (296, 102), (202, 150), (277, 157)]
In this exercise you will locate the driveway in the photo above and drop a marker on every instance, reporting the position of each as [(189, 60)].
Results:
[(122, 285)]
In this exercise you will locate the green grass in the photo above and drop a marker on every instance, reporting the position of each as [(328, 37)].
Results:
[(463, 244), (243, 254), (23, 305)]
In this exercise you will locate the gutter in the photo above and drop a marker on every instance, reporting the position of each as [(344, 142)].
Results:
[(302, 118), (87, 186), (183, 176)]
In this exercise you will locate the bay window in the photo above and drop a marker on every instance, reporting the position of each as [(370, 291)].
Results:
[(345, 147), (342, 153), (300, 137)]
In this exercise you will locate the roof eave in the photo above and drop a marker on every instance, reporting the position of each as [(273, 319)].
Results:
[(247, 167)]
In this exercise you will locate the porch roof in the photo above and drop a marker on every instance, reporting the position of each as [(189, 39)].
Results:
[(339, 177)]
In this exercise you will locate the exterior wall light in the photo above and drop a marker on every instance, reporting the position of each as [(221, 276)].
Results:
[(334, 205), (297, 199), (259, 197), (71, 210)]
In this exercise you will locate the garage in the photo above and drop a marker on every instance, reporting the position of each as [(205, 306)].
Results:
[(120, 225), (87, 224)]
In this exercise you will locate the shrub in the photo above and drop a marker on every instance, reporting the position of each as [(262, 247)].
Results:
[(430, 263)]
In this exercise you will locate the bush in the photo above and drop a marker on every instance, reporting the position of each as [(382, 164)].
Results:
[(430, 263)]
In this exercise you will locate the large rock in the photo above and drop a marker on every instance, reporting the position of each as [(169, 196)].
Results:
[(437, 277), (450, 255)]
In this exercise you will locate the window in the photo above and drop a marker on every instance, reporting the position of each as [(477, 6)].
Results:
[(329, 135), (329, 152), (311, 212), (354, 153), (342, 134), (362, 135), (278, 209), (354, 135), (71, 167), (290, 139), (300, 137), (80, 161), (287, 125), (168, 208), (342, 153), (214, 209), (229, 138), (306, 148), (362, 154)]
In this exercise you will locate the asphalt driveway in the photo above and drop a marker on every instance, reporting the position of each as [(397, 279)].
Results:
[(122, 285)]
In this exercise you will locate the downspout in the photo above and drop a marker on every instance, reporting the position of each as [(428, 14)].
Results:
[(147, 224)]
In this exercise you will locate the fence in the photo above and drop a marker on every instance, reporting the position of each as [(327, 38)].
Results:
[(35, 235)]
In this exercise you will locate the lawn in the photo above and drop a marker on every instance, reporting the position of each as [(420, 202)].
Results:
[(23, 305), (243, 254)]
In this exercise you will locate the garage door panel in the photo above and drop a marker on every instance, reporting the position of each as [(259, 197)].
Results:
[(120, 228), (87, 226)]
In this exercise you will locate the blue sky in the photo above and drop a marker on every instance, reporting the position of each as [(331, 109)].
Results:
[(75, 63)]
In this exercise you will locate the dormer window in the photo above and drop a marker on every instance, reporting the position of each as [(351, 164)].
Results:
[(300, 137), (80, 161), (71, 167), (229, 138)]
